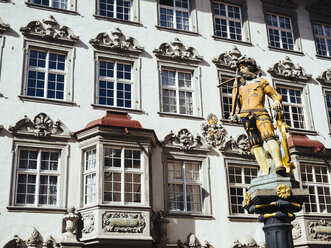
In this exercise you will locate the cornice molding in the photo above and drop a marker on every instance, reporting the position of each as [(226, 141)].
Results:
[(49, 29), (117, 42)]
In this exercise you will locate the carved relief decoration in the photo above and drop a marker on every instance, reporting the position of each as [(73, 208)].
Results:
[(41, 126), (49, 29), (160, 223), (177, 51), (320, 7), (116, 42), (320, 229), (193, 242), (184, 140), (88, 220), (34, 238), (3, 27), (228, 59), (287, 69), (325, 77), (296, 231), (123, 222), (250, 243)]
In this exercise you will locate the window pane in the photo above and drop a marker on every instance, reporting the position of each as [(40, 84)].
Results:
[(112, 187), (193, 198), (132, 159), (132, 187), (176, 197), (175, 170), (112, 157), (90, 188)]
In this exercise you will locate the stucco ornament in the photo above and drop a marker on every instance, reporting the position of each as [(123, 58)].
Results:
[(34, 238), (177, 51), (184, 140), (250, 243), (325, 77), (228, 59), (88, 220), (50, 242), (49, 29), (69, 227), (41, 126), (193, 242), (320, 230), (3, 26), (213, 131), (287, 69), (123, 222), (283, 191), (239, 145), (296, 231), (117, 41)]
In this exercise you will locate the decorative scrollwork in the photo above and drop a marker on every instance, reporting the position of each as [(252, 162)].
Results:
[(228, 59), (3, 26), (41, 126), (116, 42), (239, 145), (325, 77), (49, 29), (283, 191), (320, 230), (287, 69), (184, 140), (123, 222), (250, 243), (177, 51), (88, 220), (213, 131), (34, 238), (296, 231)]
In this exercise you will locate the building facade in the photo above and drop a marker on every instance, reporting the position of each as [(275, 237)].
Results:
[(107, 134)]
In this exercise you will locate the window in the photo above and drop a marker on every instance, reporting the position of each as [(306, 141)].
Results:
[(177, 91), (328, 105), (59, 4), (184, 186), (120, 9), (37, 179), (226, 97), (90, 195), (115, 84), (323, 39), (228, 21), (280, 31), (316, 179), (293, 107), (239, 178)]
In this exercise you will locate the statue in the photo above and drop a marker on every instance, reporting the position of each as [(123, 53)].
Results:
[(248, 100)]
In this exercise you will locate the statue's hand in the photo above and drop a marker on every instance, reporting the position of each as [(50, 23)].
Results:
[(277, 106), (234, 118)]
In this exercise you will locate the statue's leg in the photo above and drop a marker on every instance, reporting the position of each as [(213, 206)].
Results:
[(262, 159)]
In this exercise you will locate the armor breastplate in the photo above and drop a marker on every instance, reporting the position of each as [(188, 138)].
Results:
[(252, 97)]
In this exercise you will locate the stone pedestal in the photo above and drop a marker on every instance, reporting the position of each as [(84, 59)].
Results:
[(276, 199)]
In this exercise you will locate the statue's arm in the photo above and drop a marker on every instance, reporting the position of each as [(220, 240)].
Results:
[(273, 94)]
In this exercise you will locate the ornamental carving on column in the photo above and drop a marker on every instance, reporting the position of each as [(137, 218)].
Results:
[(320, 229), (41, 126), (49, 29), (184, 140), (3, 27), (69, 225), (177, 51), (117, 41), (123, 222), (228, 59), (88, 220), (288, 70), (325, 77)]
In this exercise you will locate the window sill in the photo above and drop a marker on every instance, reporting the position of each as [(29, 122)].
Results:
[(36, 209), (285, 51), (163, 114), (245, 43), (323, 57), (189, 216), (105, 18), (116, 207), (244, 218), (45, 100), (37, 6), (177, 30), (302, 131), (102, 107)]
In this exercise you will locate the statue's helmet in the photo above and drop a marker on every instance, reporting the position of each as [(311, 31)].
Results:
[(249, 62)]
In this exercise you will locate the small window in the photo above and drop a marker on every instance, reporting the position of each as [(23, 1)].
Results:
[(38, 176), (280, 31), (60, 4), (184, 186), (328, 105), (226, 97), (316, 179), (323, 39), (119, 9), (90, 195), (228, 21), (293, 107), (239, 178)]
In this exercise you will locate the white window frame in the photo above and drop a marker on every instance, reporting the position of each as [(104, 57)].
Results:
[(135, 81), (223, 95), (195, 81), (280, 29), (243, 186), (63, 150), (69, 64), (134, 12), (2, 42), (228, 19), (71, 5), (324, 37), (89, 172), (327, 92), (99, 144)]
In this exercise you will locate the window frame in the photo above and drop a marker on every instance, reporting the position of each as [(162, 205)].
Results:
[(196, 87), (192, 15), (63, 149), (324, 37), (226, 74), (135, 13), (69, 67), (135, 81), (99, 144), (327, 92), (71, 8)]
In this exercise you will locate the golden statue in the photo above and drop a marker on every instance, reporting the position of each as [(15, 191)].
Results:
[(248, 105)]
